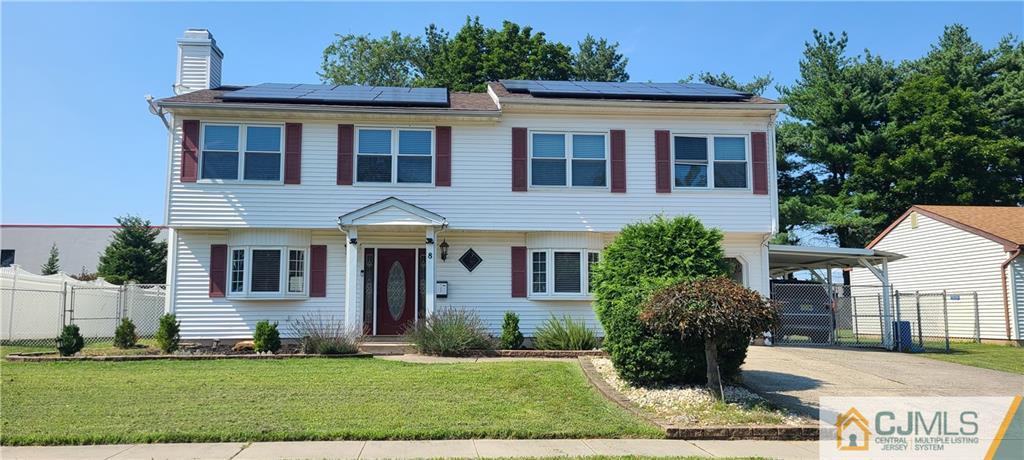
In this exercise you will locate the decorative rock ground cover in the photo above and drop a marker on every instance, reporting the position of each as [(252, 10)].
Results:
[(688, 406)]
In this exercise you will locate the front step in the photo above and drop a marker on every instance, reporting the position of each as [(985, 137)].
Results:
[(386, 348)]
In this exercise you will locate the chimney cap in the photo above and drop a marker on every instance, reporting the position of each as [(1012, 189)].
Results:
[(200, 36)]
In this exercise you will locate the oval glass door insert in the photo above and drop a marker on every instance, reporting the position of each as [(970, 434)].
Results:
[(396, 290)]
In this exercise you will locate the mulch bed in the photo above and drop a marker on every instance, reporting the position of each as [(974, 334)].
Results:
[(725, 432)]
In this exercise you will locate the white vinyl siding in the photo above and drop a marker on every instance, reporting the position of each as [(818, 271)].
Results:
[(480, 197), (942, 257)]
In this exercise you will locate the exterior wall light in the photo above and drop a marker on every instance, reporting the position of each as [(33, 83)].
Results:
[(444, 250)]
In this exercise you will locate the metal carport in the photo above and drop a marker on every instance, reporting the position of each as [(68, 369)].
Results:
[(786, 259)]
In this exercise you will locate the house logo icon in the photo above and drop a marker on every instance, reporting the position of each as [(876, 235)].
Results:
[(852, 431)]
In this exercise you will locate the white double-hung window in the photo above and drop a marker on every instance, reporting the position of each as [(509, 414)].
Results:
[(267, 272), (394, 155), (241, 152), (561, 272), (568, 159), (711, 161)]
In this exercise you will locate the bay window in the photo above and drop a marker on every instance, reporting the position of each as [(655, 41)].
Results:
[(568, 160), (710, 161), (267, 272), (233, 152), (394, 156), (561, 272)]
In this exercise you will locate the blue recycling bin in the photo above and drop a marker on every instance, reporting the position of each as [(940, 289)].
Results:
[(901, 335)]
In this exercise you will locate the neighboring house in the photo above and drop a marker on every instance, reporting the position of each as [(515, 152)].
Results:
[(80, 246), (380, 205), (961, 249)]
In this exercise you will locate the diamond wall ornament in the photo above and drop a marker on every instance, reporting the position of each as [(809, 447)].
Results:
[(470, 259)]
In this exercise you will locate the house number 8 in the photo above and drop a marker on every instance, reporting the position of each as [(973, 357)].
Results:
[(430, 255)]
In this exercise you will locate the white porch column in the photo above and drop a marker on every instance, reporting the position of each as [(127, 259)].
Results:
[(353, 313), (430, 296)]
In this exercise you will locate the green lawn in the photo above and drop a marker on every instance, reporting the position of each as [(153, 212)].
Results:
[(97, 348), (999, 357), (243, 400)]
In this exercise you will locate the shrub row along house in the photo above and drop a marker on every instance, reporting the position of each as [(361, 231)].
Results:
[(380, 205)]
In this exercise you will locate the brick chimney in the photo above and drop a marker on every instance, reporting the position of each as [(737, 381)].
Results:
[(199, 61)]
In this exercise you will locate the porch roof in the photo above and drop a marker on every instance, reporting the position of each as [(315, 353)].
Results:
[(392, 211)]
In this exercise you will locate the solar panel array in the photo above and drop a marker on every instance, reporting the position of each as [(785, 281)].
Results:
[(624, 90), (341, 95)]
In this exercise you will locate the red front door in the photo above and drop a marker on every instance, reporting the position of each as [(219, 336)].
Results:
[(396, 290)]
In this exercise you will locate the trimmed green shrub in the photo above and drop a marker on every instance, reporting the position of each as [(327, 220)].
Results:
[(326, 335), (167, 333), (511, 337), (449, 332), (124, 335), (70, 340), (644, 257), (266, 338), (709, 309), (564, 334)]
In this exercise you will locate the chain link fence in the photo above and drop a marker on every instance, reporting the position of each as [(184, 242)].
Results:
[(814, 313), (34, 309)]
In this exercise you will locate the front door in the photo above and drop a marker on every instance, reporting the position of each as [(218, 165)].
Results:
[(396, 290)]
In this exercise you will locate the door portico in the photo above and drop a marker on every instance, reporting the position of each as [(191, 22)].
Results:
[(363, 228)]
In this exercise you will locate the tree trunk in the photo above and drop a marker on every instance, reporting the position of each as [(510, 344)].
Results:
[(714, 376)]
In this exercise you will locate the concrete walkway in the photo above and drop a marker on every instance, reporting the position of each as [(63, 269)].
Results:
[(795, 377), (466, 448)]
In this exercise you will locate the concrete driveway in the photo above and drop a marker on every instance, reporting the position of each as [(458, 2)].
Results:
[(795, 377)]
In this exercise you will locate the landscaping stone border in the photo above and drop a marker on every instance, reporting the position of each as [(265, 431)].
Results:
[(540, 353), (37, 358), (717, 432)]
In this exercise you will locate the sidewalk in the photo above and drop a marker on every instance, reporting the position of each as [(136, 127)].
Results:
[(463, 448)]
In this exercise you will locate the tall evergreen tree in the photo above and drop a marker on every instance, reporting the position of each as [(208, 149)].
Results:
[(134, 255), (598, 60), (755, 86), (52, 265)]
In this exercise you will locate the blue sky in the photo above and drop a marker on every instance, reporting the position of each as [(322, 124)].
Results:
[(78, 145)]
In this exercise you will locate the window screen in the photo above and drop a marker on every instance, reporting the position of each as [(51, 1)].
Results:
[(567, 272), (730, 162), (262, 153), (266, 270), (588, 160), (691, 161), (220, 152), (548, 163)]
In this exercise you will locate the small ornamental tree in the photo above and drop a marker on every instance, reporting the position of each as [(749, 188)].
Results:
[(168, 333), (511, 337), (52, 265), (70, 340), (266, 337), (711, 310), (646, 256), (124, 335)]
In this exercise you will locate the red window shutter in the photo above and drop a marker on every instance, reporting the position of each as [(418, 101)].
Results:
[(618, 161), (519, 159), (218, 269), (662, 162), (759, 150), (189, 150), (518, 271), (443, 151), (346, 147), (318, 271), (293, 153)]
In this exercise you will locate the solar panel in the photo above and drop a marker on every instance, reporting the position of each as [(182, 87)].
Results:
[(341, 94), (624, 90)]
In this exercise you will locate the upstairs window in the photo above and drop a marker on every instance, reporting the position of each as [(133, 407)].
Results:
[(710, 162), (561, 272), (232, 152), (395, 156), (561, 160)]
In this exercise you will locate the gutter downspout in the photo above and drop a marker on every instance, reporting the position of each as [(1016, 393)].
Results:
[(1006, 297)]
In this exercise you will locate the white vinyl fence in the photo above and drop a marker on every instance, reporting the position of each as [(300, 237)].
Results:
[(34, 308)]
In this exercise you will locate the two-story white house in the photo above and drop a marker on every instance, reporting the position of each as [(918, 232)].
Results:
[(380, 205)]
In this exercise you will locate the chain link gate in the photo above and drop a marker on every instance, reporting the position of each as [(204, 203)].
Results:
[(820, 314)]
